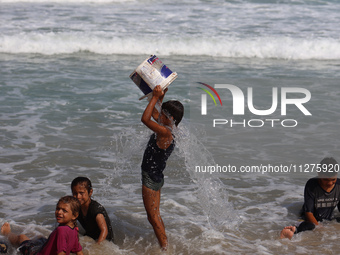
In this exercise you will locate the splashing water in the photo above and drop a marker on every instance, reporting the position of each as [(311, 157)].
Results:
[(211, 192)]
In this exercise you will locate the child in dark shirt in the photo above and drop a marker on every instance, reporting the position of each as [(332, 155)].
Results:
[(159, 148), (93, 216), (321, 196)]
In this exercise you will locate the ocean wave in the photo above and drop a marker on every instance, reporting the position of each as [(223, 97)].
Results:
[(293, 2), (263, 48), (66, 1)]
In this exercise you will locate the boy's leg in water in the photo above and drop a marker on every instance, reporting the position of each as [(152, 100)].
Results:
[(13, 238), (304, 226), (288, 232), (151, 199)]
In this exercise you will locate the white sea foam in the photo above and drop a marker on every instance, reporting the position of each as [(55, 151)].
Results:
[(239, 29), (263, 48), (188, 1), (66, 1)]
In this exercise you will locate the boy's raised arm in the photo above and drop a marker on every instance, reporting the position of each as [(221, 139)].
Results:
[(155, 112), (149, 110)]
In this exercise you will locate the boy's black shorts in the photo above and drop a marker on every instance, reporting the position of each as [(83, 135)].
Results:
[(149, 183), (31, 247)]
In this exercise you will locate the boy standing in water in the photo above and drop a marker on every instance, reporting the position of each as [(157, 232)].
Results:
[(159, 148), (92, 216), (321, 196)]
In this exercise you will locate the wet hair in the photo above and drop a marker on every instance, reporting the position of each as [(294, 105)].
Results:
[(73, 202), (75, 208), (328, 168), (175, 109), (83, 181)]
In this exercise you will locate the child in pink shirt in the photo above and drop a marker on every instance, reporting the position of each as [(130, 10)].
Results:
[(62, 241)]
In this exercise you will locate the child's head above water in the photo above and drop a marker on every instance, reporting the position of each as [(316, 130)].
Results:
[(82, 189), (175, 109), (67, 211), (328, 168), (82, 181)]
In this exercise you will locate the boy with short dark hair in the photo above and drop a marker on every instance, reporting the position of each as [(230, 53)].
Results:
[(321, 196)]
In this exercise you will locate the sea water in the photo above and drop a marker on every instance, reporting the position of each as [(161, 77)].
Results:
[(68, 109)]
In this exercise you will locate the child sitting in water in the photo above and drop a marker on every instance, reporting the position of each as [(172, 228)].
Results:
[(321, 196), (159, 148), (93, 216), (62, 241)]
